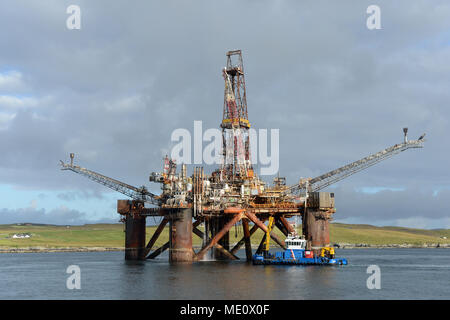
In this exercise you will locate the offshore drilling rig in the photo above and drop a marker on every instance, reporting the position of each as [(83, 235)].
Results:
[(230, 195)]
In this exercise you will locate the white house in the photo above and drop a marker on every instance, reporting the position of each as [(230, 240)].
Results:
[(21, 236)]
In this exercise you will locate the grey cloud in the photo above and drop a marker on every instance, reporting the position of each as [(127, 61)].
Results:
[(114, 91), (82, 194)]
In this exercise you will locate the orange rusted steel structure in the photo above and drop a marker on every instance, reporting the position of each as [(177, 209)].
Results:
[(231, 194)]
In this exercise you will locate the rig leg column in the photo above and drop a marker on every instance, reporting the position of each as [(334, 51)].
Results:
[(224, 241), (242, 241), (248, 245), (316, 229), (180, 237), (134, 237)]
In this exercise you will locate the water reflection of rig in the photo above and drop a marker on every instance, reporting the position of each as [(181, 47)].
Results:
[(230, 195)]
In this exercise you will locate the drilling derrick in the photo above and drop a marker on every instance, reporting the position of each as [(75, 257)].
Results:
[(235, 136), (230, 195)]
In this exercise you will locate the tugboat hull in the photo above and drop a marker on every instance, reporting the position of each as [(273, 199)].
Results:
[(296, 254), (318, 261)]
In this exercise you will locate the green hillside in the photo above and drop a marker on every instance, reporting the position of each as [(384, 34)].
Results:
[(112, 235), (357, 233)]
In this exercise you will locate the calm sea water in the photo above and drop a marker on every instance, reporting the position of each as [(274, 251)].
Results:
[(405, 274)]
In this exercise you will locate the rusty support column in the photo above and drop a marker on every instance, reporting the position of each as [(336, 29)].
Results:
[(134, 237), (248, 245), (224, 241), (218, 236), (242, 241), (263, 227), (316, 229), (180, 236)]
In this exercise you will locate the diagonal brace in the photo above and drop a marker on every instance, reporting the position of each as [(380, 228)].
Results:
[(217, 245), (242, 241), (155, 236), (158, 251), (263, 227), (218, 236), (286, 224)]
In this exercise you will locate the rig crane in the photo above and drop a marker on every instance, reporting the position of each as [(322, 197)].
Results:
[(326, 179), (141, 194)]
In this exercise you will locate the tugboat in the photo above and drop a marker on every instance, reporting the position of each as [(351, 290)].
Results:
[(296, 254)]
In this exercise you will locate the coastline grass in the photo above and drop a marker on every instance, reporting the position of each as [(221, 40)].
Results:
[(112, 236)]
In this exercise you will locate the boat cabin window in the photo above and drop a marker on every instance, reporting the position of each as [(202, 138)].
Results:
[(300, 244)]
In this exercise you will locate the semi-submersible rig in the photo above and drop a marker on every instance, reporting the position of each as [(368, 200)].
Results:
[(230, 195)]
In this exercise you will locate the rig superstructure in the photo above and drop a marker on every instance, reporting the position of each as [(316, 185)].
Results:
[(231, 194)]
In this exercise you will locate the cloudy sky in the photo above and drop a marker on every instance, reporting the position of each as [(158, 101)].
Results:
[(114, 91)]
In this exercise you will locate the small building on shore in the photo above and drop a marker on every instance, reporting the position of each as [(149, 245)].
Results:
[(21, 236)]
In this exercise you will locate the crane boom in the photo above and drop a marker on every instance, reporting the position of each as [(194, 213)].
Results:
[(326, 179), (133, 192)]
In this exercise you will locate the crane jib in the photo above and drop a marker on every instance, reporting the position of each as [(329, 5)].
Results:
[(119, 186), (326, 179)]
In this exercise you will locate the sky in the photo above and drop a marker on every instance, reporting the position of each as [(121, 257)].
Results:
[(113, 91)]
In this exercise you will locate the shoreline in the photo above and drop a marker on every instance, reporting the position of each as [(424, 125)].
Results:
[(107, 249), (59, 249), (393, 246)]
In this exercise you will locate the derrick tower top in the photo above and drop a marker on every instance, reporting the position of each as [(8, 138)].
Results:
[(235, 136), (235, 102)]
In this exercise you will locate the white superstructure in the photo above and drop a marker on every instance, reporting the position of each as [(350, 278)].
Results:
[(295, 242)]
